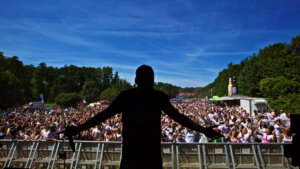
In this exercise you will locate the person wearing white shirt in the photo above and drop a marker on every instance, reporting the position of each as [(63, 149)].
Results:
[(282, 115), (189, 136), (211, 115), (225, 128), (278, 129)]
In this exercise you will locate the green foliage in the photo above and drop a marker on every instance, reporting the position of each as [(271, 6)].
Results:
[(275, 87), (282, 93), (123, 85), (91, 91), (167, 88), (107, 75), (10, 86), (21, 84), (109, 94), (288, 103), (68, 99), (272, 73)]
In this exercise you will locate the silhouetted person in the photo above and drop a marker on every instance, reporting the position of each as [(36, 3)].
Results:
[(141, 110)]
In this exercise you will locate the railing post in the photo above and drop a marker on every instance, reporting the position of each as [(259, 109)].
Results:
[(27, 162), (173, 160), (73, 157), (9, 154), (101, 155), (50, 158), (227, 157), (204, 156), (121, 152), (57, 148), (12, 156), (199, 156), (255, 156), (98, 147), (78, 155), (232, 156), (260, 156), (35, 150), (177, 156)]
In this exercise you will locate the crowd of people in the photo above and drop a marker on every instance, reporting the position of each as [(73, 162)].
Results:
[(237, 125)]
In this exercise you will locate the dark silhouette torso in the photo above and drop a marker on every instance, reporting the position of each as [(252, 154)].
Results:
[(141, 115)]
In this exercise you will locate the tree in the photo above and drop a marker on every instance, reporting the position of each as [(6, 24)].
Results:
[(115, 80), (107, 75), (68, 99), (272, 73), (38, 81), (91, 91), (167, 88), (11, 92), (281, 93), (123, 85), (68, 87), (109, 94), (51, 81)]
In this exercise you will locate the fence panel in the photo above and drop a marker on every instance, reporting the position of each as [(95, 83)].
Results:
[(215, 156), (94, 155), (167, 155)]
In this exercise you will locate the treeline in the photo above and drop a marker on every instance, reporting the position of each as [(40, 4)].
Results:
[(21, 84), (273, 73)]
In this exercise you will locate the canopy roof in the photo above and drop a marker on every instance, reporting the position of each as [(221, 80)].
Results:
[(235, 97)]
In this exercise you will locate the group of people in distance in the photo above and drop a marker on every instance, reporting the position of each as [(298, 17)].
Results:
[(234, 123)]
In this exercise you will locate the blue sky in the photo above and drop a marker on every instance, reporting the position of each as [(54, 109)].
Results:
[(186, 42)]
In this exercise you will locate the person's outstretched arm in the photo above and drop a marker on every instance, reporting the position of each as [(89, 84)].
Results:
[(114, 108), (100, 117), (187, 122)]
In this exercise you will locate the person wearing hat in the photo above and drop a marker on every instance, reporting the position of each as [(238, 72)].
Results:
[(141, 110), (51, 134)]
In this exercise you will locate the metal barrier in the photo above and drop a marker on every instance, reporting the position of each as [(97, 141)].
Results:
[(96, 155)]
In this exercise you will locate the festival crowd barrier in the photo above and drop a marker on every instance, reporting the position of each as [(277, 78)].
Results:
[(96, 155)]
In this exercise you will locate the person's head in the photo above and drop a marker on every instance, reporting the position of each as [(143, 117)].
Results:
[(52, 127), (227, 122), (234, 133), (287, 131), (268, 131), (144, 77)]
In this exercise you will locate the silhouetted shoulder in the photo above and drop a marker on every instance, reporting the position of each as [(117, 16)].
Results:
[(163, 97)]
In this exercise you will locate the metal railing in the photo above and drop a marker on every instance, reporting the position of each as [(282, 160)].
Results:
[(92, 154)]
